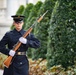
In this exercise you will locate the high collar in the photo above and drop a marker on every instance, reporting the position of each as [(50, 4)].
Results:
[(21, 31)]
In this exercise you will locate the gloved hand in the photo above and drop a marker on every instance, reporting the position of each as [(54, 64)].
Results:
[(12, 53), (23, 40)]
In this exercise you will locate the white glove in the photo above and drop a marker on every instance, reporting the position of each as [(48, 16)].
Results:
[(23, 40), (12, 53)]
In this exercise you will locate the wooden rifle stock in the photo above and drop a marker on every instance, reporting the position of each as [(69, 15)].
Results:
[(8, 60)]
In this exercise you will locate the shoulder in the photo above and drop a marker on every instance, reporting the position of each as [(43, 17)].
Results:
[(9, 32)]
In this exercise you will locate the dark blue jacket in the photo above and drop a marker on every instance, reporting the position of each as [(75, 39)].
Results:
[(20, 65)]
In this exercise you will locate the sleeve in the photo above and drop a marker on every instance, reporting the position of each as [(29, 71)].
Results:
[(4, 44), (33, 41)]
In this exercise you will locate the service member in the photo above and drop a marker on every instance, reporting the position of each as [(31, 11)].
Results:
[(20, 64)]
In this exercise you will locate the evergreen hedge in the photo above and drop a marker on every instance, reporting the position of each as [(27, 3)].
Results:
[(41, 29), (26, 13), (62, 34)]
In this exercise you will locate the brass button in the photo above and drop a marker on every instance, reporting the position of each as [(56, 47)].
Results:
[(20, 62)]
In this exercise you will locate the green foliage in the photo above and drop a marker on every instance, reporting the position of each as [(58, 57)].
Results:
[(62, 34), (27, 12), (20, 10), (33, 14), (41, 29)]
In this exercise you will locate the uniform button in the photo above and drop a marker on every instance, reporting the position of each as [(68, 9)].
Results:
[(20, 62)]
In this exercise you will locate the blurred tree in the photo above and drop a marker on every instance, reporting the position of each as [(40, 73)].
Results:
[(33, 14), (27, 12), (62, 34), (41, 29), (20, 10)]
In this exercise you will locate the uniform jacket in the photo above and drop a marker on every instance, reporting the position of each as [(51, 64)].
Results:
[(20, 65)]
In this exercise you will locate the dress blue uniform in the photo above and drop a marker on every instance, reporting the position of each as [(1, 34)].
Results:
[(20, 64)]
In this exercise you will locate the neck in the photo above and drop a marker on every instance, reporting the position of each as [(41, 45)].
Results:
[(18, 29)]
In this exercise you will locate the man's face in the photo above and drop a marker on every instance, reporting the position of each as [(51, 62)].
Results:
[(18, 25)]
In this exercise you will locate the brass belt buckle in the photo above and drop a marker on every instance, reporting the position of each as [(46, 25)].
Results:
[(19, 53)]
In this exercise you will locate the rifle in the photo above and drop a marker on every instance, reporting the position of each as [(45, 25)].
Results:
[(8, 60)]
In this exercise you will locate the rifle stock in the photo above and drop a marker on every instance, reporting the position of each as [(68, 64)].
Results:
[(8, 60)]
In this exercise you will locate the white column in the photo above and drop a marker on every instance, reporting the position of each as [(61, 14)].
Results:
[(12, 6), (26, 1)]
